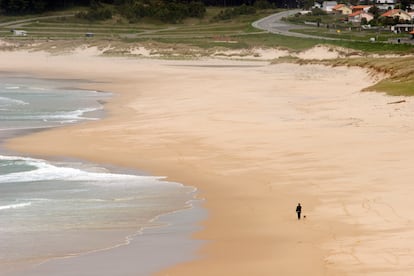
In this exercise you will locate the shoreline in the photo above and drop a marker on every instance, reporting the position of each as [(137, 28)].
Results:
[(148, 250), (173, 227), (147, 243), (255, 142)]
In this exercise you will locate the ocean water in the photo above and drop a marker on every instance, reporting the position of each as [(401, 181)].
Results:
[(32, 104), (55, 209)]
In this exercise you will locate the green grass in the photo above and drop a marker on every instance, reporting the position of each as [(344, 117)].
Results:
[(350, 35), (323, 19), (394, 87), (379, 48), (274, 40), (193, 27), (400, 72), (238, 41)]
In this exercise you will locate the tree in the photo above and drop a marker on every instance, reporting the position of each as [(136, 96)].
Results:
[(405, 4), (308, 4), (364, 21), (196, 9), (375, 11), (263, 4), (318, 12), (354, 2), (16, 6), (387, 21)]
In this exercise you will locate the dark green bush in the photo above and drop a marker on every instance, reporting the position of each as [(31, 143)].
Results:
[(230, 13), (95, 14)]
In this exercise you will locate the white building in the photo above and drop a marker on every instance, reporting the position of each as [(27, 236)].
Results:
[(317, 5), (329, 5), (385, 4)]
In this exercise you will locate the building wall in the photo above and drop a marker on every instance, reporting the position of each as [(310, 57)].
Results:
[(385, 2)]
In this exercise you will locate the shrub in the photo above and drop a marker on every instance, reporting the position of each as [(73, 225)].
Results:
[(230, 13), (95, 14), (196, 9), (167, 11), (263, 5), (318, 12)]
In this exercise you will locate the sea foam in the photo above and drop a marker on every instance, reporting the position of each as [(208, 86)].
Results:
[(65, 116), (15, 206), (45, 171), (5, 101)]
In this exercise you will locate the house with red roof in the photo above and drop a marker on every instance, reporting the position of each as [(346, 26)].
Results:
[(342, 9), (356, 17), (364, 8), (402, 15)]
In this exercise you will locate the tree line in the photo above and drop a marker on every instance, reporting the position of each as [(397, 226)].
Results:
[(18, 7), (161, 8)]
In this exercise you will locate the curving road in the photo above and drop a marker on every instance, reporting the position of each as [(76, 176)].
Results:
[(275, 25)]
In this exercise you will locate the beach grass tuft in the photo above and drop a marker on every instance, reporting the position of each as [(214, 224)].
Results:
[(394, 87), (398, 72)]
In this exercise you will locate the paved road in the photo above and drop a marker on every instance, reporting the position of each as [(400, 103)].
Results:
[(275, 25)]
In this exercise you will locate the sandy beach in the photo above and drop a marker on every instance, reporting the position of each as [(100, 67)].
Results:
[(255, 139)]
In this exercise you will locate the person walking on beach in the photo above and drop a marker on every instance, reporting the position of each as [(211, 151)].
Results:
[(298, 210)]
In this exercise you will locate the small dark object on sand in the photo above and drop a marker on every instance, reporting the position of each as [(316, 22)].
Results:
[(397, 102)]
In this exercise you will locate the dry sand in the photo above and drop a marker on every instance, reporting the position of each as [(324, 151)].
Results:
[(256, 139)]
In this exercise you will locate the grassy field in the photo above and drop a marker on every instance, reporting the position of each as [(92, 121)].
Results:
[(361, 35), (204, 33), (400, 72), (67, 31)]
